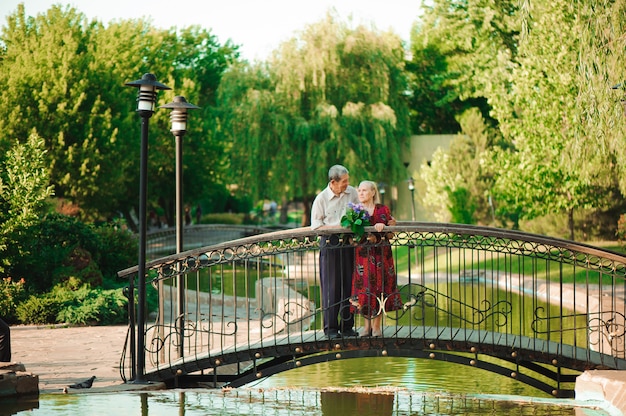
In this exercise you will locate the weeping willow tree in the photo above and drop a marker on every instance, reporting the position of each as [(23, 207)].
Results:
[(331, 95), (546, 68)]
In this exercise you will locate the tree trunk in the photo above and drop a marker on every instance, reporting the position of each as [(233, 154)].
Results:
[(570, 217), (307, 201), (284, 211)]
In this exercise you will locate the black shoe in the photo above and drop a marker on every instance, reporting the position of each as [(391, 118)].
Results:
[(349, 333), (332, 335)]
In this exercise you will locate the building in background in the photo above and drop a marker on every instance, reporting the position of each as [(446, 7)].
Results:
[(422, 148)]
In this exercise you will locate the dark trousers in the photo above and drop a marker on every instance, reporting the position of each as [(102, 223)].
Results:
[(5, 342), (336, 267)]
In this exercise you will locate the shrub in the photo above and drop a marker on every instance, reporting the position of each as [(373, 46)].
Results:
[(38, 310), (59, 246), (223, 218), (76, 306), (117, 249), (95, 306), (11, 294)]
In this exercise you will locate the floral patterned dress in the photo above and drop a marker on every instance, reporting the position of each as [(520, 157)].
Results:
[(374, 273)]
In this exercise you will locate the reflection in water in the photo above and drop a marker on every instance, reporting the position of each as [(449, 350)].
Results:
[(301, 402), (340, 403), (12, 405), (411, 373)]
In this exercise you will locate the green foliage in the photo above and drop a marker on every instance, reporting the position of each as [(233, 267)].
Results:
[(334, 95), (76, 306), (461, 206), (457, 183), (60, 247), (11, 294), (621, 230), (24, 187), (95, 306), (544, 68), (116, 249), (63, 77), (223, 218), (39, 310)]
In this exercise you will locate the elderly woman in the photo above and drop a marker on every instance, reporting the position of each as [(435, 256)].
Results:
[(374, 283)]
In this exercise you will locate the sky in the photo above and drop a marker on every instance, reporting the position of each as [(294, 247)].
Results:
[(259, 26)]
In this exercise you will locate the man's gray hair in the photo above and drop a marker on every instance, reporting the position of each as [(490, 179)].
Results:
[(336, 172)]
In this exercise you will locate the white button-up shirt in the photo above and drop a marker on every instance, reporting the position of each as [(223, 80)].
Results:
[(328, 208)]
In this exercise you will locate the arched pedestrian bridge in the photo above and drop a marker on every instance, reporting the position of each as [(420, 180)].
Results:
[(537, 309)]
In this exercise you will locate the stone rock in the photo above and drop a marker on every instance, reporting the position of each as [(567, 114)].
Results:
[(15, 381), (15, 367), (27, 383)]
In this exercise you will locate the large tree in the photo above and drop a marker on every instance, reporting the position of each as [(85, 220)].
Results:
[(333, 95), (525, 58), (63, 77)]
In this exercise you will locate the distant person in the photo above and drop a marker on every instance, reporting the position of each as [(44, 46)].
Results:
[(187, 215), (5, 342), (273, 209), (198, 214), (336, 260), (374, 282)]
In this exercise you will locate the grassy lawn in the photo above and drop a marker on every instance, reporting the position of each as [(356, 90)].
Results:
[(239, 278), (463, 261)]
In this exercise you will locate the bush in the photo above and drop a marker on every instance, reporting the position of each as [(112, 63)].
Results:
[(95, 306), (11, 295), (75, 306), (59, 246), (117, 249), (223, 218), (38, 310)]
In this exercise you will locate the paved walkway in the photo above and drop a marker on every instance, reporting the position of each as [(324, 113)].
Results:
[(63, 356)]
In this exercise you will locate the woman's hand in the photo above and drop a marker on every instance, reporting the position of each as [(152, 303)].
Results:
[(379, 226), (391, 222)]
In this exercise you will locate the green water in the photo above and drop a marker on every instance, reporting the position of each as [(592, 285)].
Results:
[(385, 386), (420, 375), (296, 402)]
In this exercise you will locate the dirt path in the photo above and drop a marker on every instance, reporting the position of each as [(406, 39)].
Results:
[(63, 356)]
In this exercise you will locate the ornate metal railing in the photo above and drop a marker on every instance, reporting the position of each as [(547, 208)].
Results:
[(248, 308)]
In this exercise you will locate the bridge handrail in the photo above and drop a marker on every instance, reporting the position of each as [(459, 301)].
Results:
[(618, 260)]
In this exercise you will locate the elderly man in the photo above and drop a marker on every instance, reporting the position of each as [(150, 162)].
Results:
[(336, 260)]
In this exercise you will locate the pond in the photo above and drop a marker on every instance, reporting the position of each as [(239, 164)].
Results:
[(387, 386)]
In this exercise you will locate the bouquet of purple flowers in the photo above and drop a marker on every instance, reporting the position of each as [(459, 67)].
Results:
[(356, 218)]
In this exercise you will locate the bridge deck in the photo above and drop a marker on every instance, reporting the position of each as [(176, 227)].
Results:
[(408, 341)]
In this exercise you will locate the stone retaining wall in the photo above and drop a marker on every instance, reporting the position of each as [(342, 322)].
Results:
[(15, 381)]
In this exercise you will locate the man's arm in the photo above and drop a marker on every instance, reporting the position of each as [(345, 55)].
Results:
[(317, 213)]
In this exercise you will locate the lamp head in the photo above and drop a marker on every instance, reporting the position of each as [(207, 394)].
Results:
[(146, 98), (179, 107)]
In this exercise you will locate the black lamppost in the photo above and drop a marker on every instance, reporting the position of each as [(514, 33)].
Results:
[(382, 191), (412, 189), (146, 101), (179, 107)]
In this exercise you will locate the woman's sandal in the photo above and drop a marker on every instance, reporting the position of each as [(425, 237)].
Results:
[(365, 333)]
